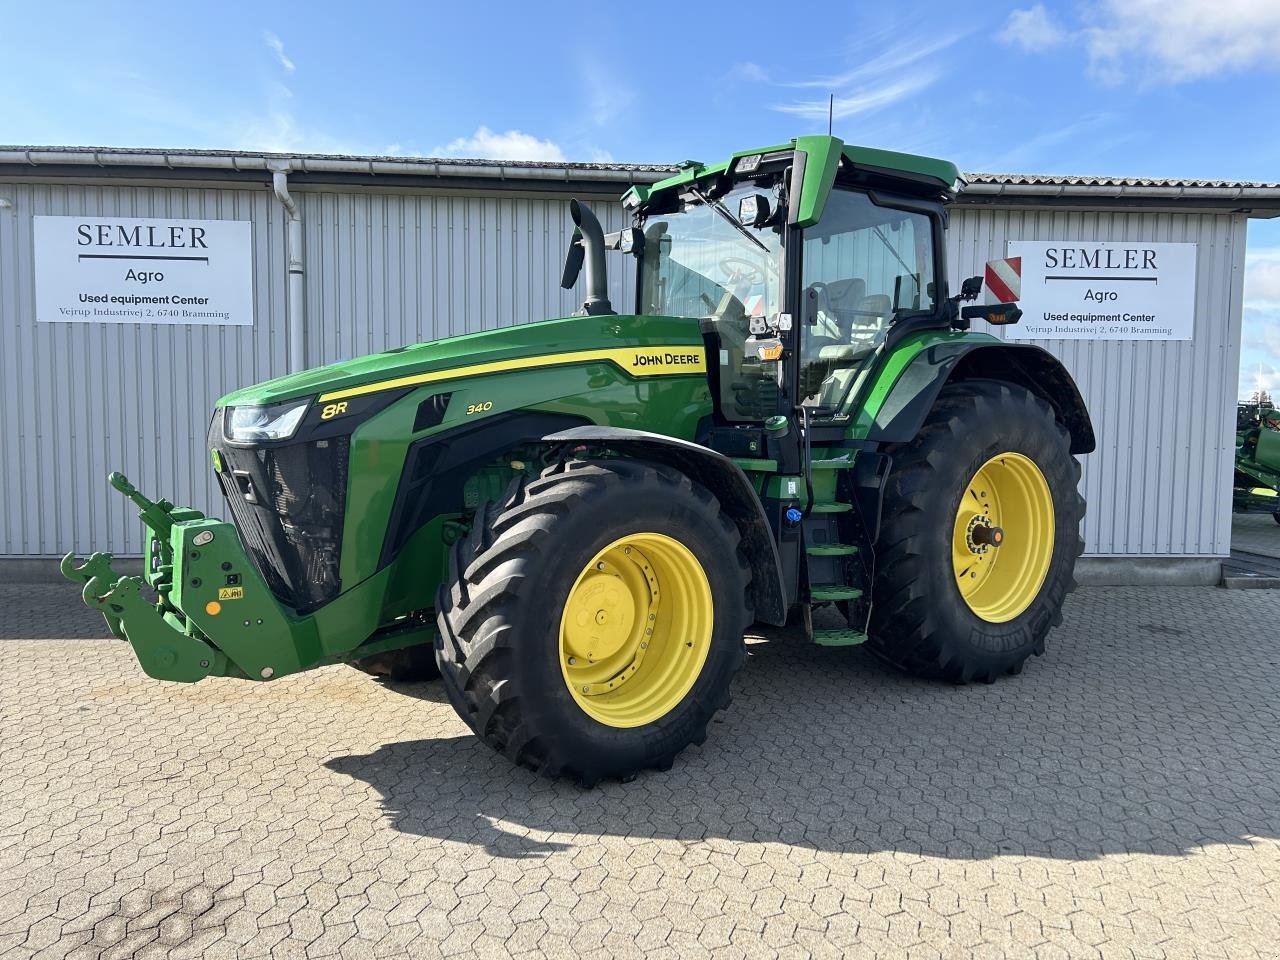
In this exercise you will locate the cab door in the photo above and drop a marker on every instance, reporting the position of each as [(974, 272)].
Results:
[(865, 266)]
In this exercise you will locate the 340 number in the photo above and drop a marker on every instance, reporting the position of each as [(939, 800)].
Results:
[(479, 407)]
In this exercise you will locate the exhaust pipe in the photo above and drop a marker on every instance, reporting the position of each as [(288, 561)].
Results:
[(588, 239)]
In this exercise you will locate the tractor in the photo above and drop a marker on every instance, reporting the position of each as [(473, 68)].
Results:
[(574, 522), (1257, 478)]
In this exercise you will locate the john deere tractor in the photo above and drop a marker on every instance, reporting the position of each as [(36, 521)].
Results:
[(1257, 480), (575, 521)]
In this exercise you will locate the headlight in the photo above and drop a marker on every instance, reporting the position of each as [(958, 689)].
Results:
[(277, 422)]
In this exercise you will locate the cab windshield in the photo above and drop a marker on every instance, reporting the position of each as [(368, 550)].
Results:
[(704, 263), (700, 263)]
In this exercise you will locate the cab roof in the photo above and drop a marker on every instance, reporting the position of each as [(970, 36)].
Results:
[(821, 159)]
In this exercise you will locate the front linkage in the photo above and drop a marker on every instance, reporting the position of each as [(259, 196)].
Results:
[(213, 615)]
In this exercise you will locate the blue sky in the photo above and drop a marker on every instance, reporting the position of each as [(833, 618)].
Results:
[(1185, 88)]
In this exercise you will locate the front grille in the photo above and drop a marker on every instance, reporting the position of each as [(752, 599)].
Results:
[(287, 502)]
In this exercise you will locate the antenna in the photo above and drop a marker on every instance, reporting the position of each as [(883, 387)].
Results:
[(831, 109)]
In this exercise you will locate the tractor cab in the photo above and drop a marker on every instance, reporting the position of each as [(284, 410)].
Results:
[(798, 262)]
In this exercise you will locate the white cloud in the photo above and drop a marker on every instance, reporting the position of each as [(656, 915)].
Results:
[(608, 97), (863, 88), (865, 100), (874, 59), (1260, 343), (748, 72), (277, 47), (1033, 29), (1178, 40), (512, 145), (1262, 277), (1032, 151)]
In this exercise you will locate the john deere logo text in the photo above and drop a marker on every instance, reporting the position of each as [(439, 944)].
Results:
[(667, 360)]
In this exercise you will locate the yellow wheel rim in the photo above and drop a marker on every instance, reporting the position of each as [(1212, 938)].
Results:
[(636, 630), (1002, 543)]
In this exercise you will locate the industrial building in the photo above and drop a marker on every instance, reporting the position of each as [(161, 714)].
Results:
[(343, 256)]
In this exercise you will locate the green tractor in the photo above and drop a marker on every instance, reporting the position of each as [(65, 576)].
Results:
[(575, 521), (1257, 480)]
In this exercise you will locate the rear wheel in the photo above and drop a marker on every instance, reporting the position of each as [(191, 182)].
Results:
[(593, 619), (980, 535)]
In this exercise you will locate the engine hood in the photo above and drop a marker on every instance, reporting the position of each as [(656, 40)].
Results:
[(564, 335)]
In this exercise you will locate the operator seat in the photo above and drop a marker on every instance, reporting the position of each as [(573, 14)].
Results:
[(862, 320)]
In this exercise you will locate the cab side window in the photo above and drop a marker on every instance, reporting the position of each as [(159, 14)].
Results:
[(864, 266)]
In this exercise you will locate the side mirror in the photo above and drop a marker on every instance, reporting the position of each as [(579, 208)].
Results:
[(753, 210), (573, 261), (630, 240)]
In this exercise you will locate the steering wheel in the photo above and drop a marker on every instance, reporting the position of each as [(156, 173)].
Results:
[(737, 270)]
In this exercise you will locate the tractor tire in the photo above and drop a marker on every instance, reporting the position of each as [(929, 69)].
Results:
[(1276, 516), (401, 666), (554, 586), (1013, 546)]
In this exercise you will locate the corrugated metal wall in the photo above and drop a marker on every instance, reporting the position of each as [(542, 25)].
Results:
[(388, 268), (383, 269), (83, 399), (1160, 481)]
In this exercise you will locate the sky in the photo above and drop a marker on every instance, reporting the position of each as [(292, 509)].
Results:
[(1163, 88)]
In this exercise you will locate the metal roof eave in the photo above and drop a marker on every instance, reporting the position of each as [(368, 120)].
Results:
[(1253, 199), (1257, 200)]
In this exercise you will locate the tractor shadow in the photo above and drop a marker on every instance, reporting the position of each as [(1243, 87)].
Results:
[(1132, 738)]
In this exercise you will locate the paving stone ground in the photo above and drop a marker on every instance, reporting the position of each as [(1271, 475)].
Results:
[(1120, 798), (1256, 533)]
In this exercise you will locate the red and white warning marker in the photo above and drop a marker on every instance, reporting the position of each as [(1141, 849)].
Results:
[(1004, 280)]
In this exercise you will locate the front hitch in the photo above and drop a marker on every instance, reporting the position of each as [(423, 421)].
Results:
[(213, 613)]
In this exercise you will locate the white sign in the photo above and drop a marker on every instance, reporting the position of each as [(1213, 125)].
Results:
[(112, 270), (1102, 290)]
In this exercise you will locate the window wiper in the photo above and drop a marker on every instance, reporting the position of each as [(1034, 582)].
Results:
[(721, 209), (890, 247)]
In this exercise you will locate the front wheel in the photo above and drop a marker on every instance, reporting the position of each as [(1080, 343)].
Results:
[(980, 534), (592, 621)]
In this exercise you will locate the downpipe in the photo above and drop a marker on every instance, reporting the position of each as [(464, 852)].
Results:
[(296, 302)]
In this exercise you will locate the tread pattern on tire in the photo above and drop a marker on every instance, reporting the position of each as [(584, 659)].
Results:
[(478, 608), (906, 631)]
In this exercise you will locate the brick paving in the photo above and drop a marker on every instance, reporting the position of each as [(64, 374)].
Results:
[(1120, 798), (1256, 533)]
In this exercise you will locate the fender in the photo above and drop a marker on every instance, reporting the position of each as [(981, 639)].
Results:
[(436, 468), (727, 483), (912, 396)]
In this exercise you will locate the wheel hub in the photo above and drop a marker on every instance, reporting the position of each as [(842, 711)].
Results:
[(600, 616), (983, 534), (636, 630)]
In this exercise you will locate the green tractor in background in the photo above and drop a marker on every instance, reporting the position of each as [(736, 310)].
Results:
[(575, 521), (1257, 480)]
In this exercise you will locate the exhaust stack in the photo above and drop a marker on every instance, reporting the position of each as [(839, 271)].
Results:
[(587, 244)]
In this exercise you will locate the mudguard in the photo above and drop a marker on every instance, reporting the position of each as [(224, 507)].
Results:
[(727, 483), (902, 414)]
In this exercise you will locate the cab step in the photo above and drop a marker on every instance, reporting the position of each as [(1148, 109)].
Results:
[(752, 465), (839, 463), (837, 637), (830, 507), (831, 550), (826, 592)]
